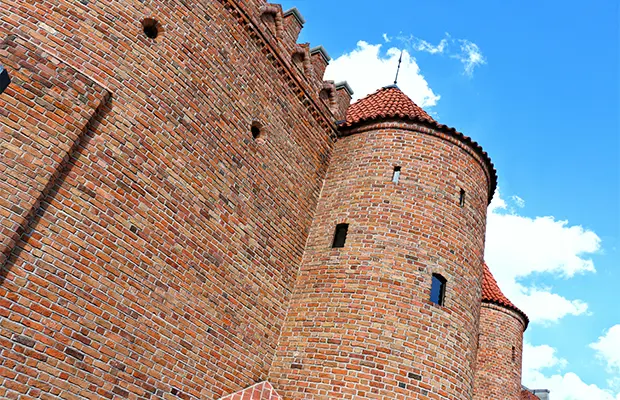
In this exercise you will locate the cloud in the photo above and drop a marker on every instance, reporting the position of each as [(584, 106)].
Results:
[(567, 386), (608, 349), (518, 201), (540, 357), (367, 69), (467, 52), (423, 45), (518, 246), (470, 56), (386, 38)]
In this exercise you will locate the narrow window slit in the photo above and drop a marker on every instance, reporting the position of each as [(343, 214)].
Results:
[(438, 289), (396, 176), (340, 236), (514, 355), (462, 198)]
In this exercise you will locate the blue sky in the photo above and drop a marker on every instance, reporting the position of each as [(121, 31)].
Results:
[(536, 83)]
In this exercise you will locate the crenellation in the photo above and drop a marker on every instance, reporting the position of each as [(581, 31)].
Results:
[(320, 60), (344, 94), (293, 23), (271, 16)]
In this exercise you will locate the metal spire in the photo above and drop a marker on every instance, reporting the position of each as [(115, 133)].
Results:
[(398, 69)]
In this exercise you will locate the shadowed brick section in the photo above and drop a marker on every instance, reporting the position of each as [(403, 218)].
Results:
[(260, 391), (164, 255), (42, 116), (361, 323), (498, 371)]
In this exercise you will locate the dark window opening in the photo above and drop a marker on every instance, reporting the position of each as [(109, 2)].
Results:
[(514, 354), (438, 289), (150, 27), (341, 235), (462, 198), (256, 131), (396, 176)]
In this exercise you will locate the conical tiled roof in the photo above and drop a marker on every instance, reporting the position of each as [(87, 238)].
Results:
[(389, 103), (491, 293)]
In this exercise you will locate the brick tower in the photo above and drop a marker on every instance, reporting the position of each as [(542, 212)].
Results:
[(403, 210), (498, 372)]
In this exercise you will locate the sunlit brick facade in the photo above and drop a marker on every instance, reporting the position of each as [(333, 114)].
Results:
[(171, 177)]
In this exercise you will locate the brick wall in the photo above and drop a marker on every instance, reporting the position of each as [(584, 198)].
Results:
[(160, 255), (498, 371), (361, 325)]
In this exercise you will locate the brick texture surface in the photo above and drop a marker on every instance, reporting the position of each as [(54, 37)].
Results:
[(260, 391), (45, 113), (498, 371), (361, 325), (152, 248), (162, 257)]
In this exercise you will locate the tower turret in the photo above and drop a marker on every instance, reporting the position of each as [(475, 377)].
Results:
[(498, 372), (387, 300)]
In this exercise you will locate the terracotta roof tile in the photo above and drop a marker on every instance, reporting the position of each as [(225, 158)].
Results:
[(391, 102), (387, 102), (527, 395), (491, 293)]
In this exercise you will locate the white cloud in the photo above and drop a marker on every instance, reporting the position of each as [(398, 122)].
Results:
[(470, 56), (386, 38), (539, 357), (518, 201), (467, 52), (519, 246), (567, 386), (423, 45), (608, 349), (366, 69)]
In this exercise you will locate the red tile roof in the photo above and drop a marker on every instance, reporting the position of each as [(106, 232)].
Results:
[(391, 102), (388, 102), (491, 293), (527, 395)]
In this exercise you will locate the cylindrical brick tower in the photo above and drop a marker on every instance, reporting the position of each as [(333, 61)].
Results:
[(403, 210), (498, 372)]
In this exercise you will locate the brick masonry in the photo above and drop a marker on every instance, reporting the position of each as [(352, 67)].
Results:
[(151, 248), (498, 372), (361, 324), (260, 391), (161, 258)]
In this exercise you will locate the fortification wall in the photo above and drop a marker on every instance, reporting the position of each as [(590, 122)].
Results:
[(150, 243), (498, 370), (361, 323)]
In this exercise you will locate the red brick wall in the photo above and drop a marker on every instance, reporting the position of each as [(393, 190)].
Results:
[(44, 114), (498, 374), (260, 391), (161, 260), (361, 325)]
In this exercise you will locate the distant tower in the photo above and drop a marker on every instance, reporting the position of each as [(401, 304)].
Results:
[(498, 373), (388, 296)]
